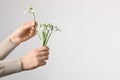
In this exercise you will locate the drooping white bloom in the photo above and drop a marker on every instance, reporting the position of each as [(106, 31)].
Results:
[(44, 30), (30, 10), (56, 28)]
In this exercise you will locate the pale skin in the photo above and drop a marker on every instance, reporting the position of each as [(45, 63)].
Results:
[(36, 57)]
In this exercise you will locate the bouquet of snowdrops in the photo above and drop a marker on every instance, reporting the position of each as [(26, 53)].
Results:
[(44, 30)]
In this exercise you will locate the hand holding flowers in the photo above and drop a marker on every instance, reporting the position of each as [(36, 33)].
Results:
[(44, 30)]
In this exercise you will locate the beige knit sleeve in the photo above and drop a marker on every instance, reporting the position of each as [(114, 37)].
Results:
[(8, 67), (6, 47)]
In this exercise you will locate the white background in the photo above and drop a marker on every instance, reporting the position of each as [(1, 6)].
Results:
[(87, 48)]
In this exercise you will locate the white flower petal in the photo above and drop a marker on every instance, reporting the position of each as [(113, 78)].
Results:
[(25, 11)]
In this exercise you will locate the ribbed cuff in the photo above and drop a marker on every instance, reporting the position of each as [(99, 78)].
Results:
[(10, 67), (6, 47)]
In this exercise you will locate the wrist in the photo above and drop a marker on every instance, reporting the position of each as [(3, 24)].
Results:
[(14, 40), (22, 66)]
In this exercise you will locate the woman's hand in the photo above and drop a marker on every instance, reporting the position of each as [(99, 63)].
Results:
[(23, 33), (35, 58)]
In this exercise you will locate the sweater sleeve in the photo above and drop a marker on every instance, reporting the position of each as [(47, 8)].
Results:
[(6, 47), (8, 67)]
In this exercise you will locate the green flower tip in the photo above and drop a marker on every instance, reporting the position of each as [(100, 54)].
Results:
[(56, 28), (45, 30), (49, 27), (30, 10)]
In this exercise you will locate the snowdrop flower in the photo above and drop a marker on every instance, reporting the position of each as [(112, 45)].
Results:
[(30, 10), (45, 30), (50, 27), (56, 28)]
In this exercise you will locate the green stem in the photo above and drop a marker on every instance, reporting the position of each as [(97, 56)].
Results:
[(44, 44), (38, 34), (34, 17), (43, 38), (48, 37)]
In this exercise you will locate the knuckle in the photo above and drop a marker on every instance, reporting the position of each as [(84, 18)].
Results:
[(44, 48), (37, 63), (35, 54), (46, 57), (43, 53), (44, 63), (47, 48), (47, 53)]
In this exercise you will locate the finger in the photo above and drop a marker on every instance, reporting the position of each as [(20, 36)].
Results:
[(43, 48), (45, 53), (41, 63), (44, 58), (33, 28), (29, 24), (32, 33)]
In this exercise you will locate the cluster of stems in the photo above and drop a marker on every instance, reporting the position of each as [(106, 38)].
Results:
[(44, 30)]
